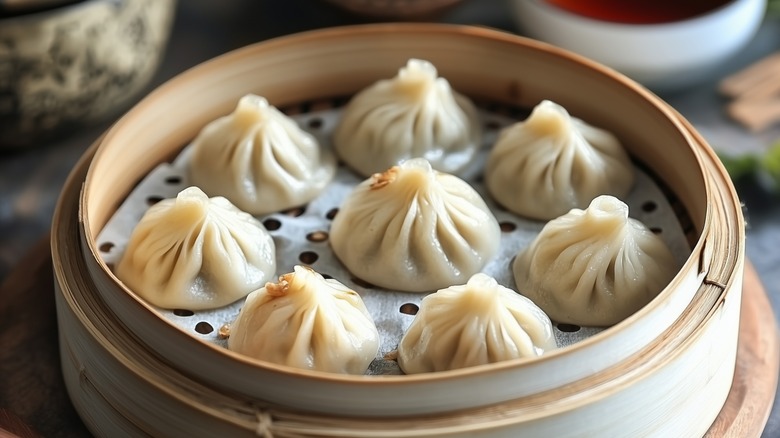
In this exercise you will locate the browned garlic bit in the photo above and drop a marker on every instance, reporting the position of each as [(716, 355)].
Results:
[(281, 288), (382, 179), (224, 331)]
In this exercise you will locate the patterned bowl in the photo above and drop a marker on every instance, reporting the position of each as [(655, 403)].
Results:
[(75, 65)]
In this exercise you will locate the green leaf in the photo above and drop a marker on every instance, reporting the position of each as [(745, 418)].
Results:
[(740, 166), (770, 164), (773, 7)]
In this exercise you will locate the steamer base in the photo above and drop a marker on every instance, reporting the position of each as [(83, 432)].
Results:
[(33, 398)]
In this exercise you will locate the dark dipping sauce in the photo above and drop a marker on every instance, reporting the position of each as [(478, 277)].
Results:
[(639, 11)]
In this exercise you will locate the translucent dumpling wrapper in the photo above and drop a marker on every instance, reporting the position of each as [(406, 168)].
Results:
[(413, 115), (195, 253), (306, 321), (594, 267), (478, 323), (550, 163), (260, 159), (414, 229)]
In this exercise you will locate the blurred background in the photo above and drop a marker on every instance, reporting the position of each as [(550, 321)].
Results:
[(34, 167)]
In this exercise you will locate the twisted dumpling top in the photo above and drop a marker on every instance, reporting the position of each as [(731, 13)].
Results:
[(414, 229), (477, 323), (260, 159), (552, 162), (306, 321), (413, 115), (594, 267), (192, 252)]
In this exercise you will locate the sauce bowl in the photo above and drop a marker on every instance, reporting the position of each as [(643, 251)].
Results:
[(662, 56)]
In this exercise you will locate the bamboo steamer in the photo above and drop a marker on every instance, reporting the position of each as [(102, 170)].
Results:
[(665, 371)]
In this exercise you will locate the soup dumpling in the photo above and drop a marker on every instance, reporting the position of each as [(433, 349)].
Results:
[(414, 229), (260, 159), (594, 267), (195, 252), (550, 163), (416, 114), (306, 321), (478, 323)]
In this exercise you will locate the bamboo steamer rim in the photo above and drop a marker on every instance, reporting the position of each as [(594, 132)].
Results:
[(724, 270), (240, 413)]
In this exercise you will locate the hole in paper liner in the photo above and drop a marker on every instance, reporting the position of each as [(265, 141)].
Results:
[(295, 212), (568, 328), (649, 206), (204, 328), (507, 226), (308, 257), (272, 224), (409, 309), (151, 200), (106, 246), (317, 236)]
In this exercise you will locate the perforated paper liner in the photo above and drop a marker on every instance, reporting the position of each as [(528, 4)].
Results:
[(301, 238)]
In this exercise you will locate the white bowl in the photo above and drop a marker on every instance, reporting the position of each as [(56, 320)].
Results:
[(667, 56)]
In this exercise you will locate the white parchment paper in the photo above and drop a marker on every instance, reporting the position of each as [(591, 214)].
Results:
[(292, 245)]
